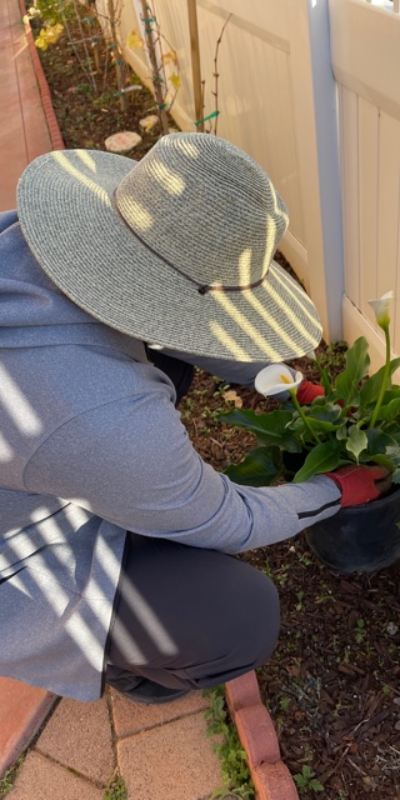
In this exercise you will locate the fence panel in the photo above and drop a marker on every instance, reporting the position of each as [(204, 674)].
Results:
[(365, 41)]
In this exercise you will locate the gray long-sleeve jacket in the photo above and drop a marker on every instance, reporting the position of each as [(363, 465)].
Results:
[(91, 447)]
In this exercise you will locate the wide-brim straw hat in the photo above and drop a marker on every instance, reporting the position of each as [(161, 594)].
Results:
[(176, 249)]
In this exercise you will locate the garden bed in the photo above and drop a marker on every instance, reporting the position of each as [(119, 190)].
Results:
[(333, 685)]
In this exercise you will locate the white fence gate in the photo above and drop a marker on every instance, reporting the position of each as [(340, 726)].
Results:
[(365, 44), (277, 101)]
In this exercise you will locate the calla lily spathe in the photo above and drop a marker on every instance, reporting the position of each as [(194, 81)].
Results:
[(276, 379), (381, 307)]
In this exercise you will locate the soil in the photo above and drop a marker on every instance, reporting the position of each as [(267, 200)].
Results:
[(86, 118), (333, 684)]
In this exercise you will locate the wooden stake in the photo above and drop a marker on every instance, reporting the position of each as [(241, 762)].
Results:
[(117, 54), (198, 90), (156, 70), (96, 55)]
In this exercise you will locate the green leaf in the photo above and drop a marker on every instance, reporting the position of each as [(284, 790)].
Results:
[(378, 441), (270, 428), (272, 424), (316, 786), (396, 475), (390, 411), (342, 432), (378, 458), (257, 469), (323, 458), (370, 390), (357, 363), (356, 442), (391, 394), (325, 380), (320, 424), (393, 453), (327, 411)]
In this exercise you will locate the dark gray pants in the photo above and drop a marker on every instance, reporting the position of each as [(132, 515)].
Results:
[(189, 618)]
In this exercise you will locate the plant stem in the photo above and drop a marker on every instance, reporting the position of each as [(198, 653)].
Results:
[(303, 415), (385, 379), (156, 69)]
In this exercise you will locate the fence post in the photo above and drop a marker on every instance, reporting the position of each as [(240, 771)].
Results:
[(315, 114)]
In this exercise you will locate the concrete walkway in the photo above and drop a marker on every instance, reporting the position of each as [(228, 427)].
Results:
[(162, 752)]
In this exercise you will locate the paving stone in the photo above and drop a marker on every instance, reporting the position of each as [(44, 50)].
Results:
[(22, 710), (173, 762), (79, 736), (134, 717), (41, 779), (122, 142), (257, 735)]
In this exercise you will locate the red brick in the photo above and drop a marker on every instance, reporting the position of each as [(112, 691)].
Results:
[(242, 692), (257, 735), (22, 710), (274, 782), (51, 119)]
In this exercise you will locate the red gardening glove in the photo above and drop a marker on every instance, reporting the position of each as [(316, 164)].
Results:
[(307, 391), (357, 484)]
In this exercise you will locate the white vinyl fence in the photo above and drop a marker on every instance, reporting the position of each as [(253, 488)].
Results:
[(365, 42), (302, 81), (277, 102)]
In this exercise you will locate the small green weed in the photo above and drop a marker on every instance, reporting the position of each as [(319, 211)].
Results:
[(116, 789), (306, 780), (8, 780), (359, 634), (234, 769), (284, 703)]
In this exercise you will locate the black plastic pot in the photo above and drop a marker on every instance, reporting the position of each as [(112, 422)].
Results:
[(361, 538)]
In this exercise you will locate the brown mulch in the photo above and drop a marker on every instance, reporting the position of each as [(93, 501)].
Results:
[(87, 118), (333, 685)]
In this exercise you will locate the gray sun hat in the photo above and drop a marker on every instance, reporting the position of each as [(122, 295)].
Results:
[(176, 249)]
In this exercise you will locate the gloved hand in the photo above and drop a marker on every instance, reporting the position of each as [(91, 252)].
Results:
[(357, 483), (307, 391)]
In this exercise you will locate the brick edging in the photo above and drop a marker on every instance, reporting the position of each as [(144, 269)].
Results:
[(56, 138), (271, 777), (27, 708)]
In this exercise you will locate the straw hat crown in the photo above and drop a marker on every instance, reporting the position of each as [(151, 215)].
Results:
[(206, 208)]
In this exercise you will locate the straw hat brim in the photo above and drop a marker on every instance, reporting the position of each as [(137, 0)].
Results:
[(67, 215)]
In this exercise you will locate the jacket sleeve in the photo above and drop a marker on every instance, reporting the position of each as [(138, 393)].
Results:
[(131, 462)]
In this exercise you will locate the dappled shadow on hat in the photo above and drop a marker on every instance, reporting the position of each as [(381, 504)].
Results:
[(196, 209)]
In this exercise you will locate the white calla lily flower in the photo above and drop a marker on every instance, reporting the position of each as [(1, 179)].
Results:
[(381, 307), (276, 379)]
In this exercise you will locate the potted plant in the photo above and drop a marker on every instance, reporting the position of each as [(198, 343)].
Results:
[(357, 420)]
